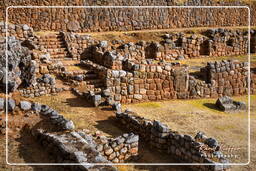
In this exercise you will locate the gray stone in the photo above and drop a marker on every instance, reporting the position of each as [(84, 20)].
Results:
[(211, 142), (117, 106), (180, 57), (68, 125), (36, 107), (226, 104), (103, 43), (132, 138), (25, 105), (11, 105), (97, 100), (201, 136), (160, 127), (106, 93), (79, 77), (25, 27), (2, 103), (80, 156)]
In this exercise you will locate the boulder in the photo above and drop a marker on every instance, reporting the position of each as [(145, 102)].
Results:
[(25, 105), (226, 104), (19, 65)]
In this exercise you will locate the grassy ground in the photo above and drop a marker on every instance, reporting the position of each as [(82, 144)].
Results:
[(185, 116)]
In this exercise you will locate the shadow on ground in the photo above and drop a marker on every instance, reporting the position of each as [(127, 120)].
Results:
[(31, 151), (211, 106), (78, 102)]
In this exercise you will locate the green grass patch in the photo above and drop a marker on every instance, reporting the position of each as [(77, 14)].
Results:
[(149, 105)]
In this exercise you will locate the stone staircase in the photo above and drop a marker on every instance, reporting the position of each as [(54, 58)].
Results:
[(54, 44), (93, 82)]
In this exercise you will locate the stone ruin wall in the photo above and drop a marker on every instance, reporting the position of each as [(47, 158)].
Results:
[(183, 148), (20, 31), (213, 43), (110, 19), (57, 135)]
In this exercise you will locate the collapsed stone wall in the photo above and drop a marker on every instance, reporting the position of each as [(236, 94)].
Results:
[(184, 148), (59, 122), (73, 147), (109, 19), (21, 68)]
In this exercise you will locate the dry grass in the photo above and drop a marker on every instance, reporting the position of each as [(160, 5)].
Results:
[(185, 116), (191, 116)]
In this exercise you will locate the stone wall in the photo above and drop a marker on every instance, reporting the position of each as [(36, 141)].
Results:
[(47, 113), (20, 31), (119, 149), (175, 46), (183, 148), (149, 81), (73, 147), (109, 19)]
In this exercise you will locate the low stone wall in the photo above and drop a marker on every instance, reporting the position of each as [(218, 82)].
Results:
[(73, 147), (44, 85), (184, 148), (20, 31), (57, 120), (175, 46), (119, 149)]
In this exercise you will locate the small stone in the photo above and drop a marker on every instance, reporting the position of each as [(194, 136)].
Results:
[(2, 103), (11, 105), (108, 151), (25, 27), (132, 138), (25, 105), (117, 106), (211, 142)]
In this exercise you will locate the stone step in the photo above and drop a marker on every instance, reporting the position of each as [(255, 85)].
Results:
[(51, 43), (93, 81), (61, 56), (62, 59), (62, 50), (91, 76)]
